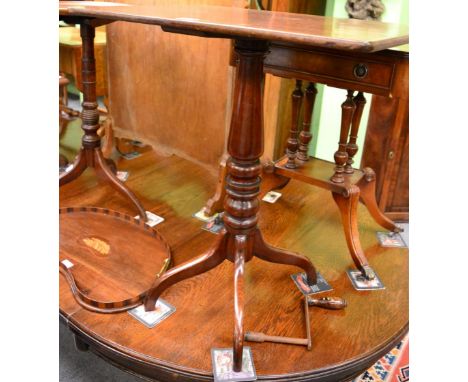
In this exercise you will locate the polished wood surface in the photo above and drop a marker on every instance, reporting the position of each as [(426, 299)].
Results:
[(385, 72), (95, 241), (242, 241), (304, 219), (329, 32)]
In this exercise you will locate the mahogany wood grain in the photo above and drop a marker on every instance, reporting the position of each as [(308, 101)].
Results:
[(385, 74), (95, 241), (345, 342), (232, 22)]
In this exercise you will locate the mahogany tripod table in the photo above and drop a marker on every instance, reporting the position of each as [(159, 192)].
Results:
[(92, 83), (252, 32)]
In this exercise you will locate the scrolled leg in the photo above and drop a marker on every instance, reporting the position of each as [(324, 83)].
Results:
[(201, 264), (347, 205), (367, 187), (266, 252)]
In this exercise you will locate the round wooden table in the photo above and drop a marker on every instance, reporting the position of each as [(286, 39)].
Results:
[(344, 343)]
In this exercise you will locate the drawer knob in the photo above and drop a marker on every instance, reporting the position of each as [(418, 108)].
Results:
[(360, 70)]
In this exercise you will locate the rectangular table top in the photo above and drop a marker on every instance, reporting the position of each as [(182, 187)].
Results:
[(233, 22)]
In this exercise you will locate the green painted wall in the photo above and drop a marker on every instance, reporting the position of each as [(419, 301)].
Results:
[(327, 114)]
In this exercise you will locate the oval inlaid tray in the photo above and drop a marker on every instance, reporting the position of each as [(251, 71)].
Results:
[(109, 259)]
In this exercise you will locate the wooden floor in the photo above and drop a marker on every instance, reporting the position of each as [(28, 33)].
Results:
[(305, 220)]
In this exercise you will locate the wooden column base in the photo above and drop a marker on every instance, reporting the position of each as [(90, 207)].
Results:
[(238, 249), (270, 181), (105, 169)]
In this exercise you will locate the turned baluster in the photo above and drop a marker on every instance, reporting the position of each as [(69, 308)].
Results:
[(305, 136), (293, 143), (341, 156), (245, 146), (352, 147), (90, 113)]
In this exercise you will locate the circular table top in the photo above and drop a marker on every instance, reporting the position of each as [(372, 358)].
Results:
[(304, 220)]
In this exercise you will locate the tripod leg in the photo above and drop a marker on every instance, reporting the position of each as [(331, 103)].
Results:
[(266, 252), (200, 264), (240, 243)]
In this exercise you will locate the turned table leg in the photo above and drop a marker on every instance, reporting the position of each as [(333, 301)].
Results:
[(341, 155), (90, 154), (293, 143), (305, 136), (245, 146), (352, 147)]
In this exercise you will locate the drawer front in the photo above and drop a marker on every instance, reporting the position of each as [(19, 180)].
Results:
[(343, 70)]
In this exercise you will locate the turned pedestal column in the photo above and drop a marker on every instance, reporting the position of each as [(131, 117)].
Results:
[(242, 238), (90, 154)]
